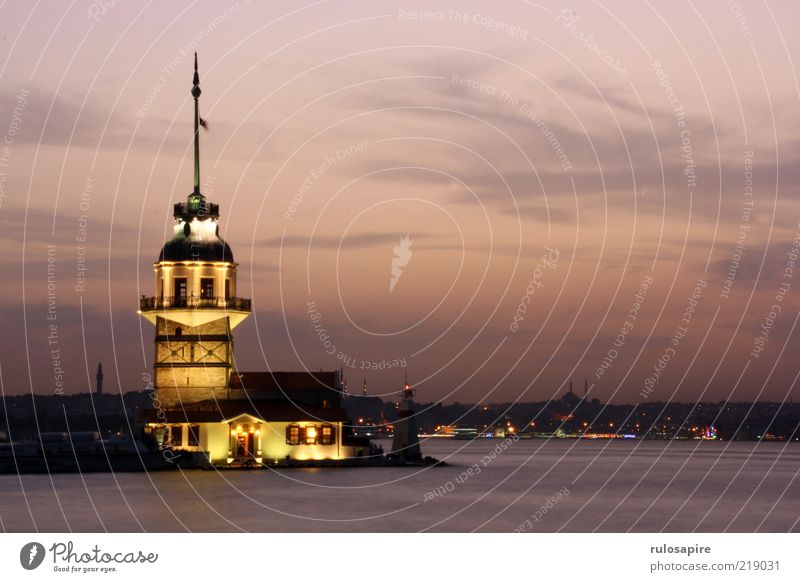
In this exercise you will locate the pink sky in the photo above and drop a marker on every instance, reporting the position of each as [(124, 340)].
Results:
[(617, 134)]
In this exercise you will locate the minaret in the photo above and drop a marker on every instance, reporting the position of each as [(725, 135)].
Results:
[(195, 307), (406, 442), (99, 378)]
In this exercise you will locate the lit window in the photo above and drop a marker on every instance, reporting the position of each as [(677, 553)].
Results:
[(159, 434), (327, 436), (311, 435), (293, 434)]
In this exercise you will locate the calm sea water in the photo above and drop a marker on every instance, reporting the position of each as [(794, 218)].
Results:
[(574, 486)]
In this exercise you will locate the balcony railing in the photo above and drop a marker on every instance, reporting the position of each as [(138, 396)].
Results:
[(201, 209), (194, 302)]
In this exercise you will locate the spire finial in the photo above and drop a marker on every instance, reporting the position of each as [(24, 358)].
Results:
[(196, 94)]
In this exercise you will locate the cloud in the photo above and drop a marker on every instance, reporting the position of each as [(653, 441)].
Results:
[(749, 269), (354, 241)]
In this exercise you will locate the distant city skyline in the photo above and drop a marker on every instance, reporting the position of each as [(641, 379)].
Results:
[(494, 201)]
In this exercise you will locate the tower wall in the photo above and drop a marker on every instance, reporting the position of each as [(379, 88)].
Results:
[(192, 363)]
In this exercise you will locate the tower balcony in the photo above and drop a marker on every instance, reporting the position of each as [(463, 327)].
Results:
[(194, 302), (195, 208), (194, 310)]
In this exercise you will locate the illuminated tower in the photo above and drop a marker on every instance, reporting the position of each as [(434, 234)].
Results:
[(195, 307), (406, 442)]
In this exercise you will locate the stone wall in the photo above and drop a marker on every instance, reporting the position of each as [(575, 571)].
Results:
[(192, 364)]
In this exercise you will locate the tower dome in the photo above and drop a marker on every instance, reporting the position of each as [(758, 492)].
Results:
[(196, 248), (196, 234)]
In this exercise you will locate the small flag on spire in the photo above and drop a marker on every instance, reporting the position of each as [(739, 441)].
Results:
[(203, 123)]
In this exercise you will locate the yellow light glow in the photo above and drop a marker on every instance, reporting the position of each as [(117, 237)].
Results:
[(311, 432), (238, 428)]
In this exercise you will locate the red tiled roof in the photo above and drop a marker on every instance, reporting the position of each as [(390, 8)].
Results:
[(286, 381)]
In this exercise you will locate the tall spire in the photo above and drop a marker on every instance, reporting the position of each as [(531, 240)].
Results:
[(196, 94), (196, 207), (99, 378)]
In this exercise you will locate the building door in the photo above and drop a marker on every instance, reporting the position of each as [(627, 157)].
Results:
[(181, 291), (244, 444)]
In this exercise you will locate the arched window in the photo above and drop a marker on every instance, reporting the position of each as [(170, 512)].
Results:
[(293, 436), (327, 434)]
